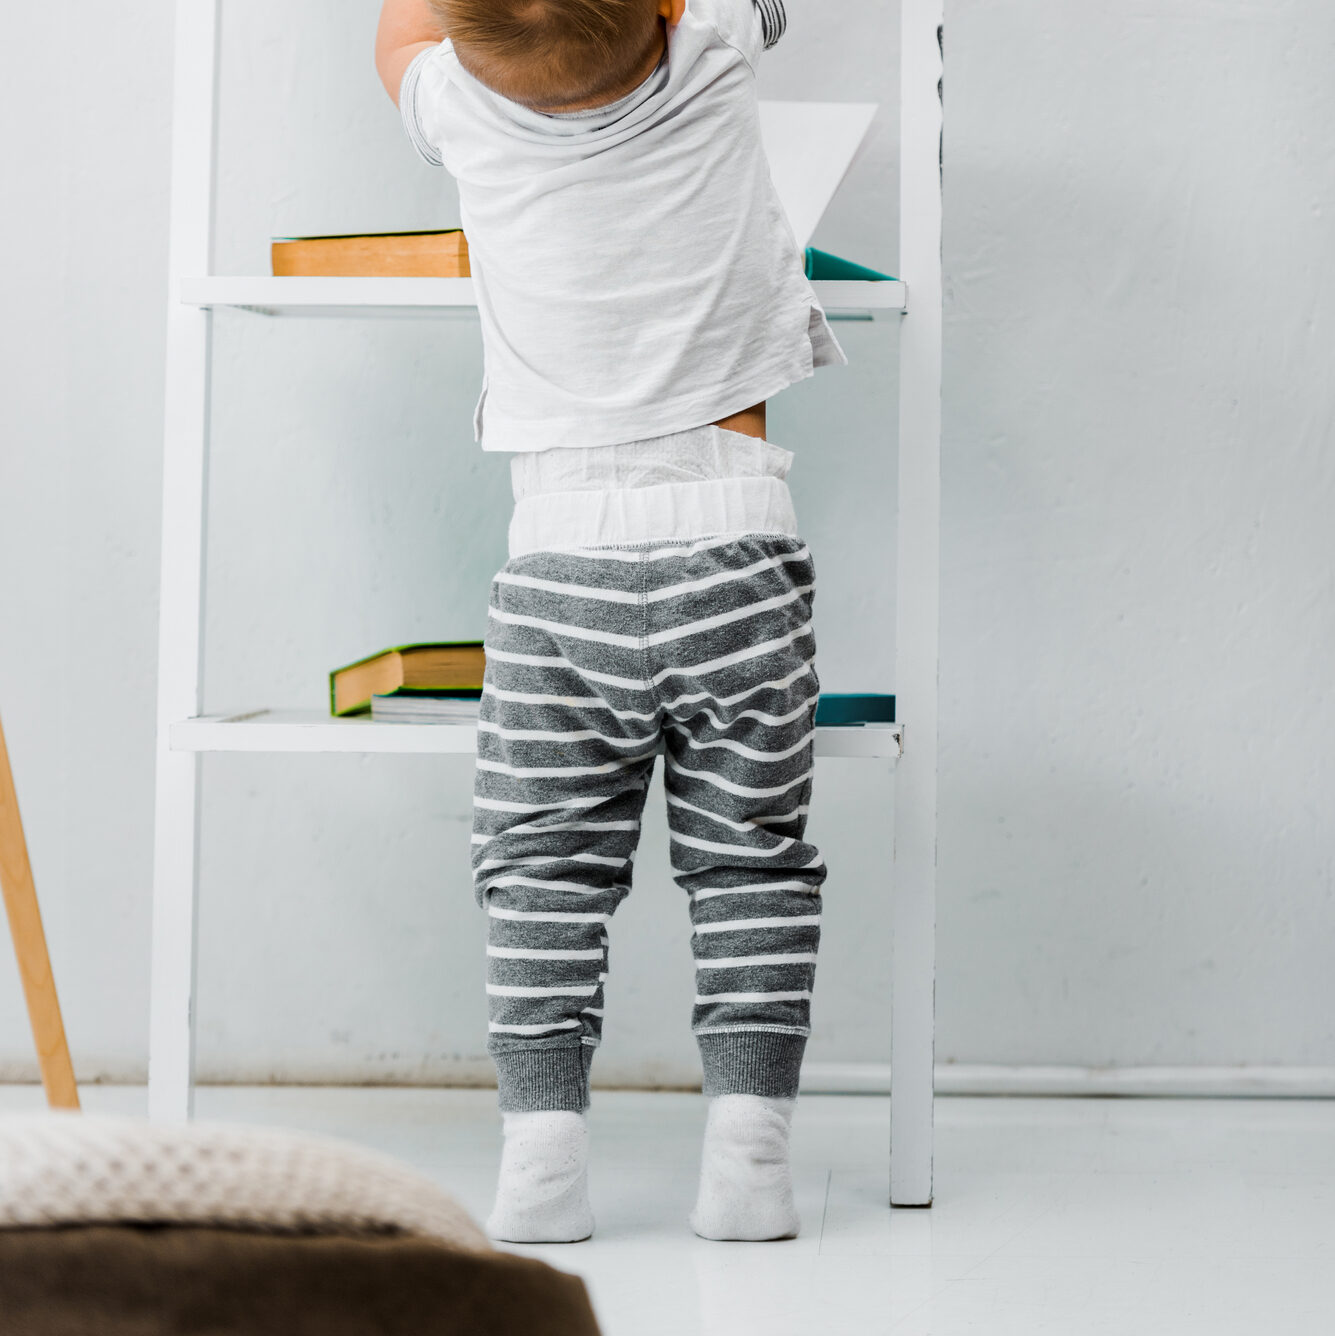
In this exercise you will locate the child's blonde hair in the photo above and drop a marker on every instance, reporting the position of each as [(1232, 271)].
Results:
[(550, 52)]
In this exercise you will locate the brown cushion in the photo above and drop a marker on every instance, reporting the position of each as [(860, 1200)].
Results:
[(175, 1280)]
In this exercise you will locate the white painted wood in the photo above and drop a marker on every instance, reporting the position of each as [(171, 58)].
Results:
[(181, 610), (873, 1078), (868, 741), (918, 612), (338, 296), (315, 731), (843, 299), (1239, 1082)]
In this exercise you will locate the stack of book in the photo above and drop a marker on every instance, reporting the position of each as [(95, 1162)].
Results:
[(433, 682), (442, 254), (440, 682), (425, 707)]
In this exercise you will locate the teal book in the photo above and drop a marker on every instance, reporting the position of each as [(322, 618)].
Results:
[(821, 264), (850, 708)]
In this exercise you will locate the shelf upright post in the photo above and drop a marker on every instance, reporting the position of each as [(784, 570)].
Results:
[(913, 953), (181, 611)]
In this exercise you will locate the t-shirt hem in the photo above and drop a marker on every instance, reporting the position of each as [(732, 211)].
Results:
[(589, 429)]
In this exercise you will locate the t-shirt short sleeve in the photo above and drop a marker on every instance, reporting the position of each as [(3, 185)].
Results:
[(417, 94), (773, 20), (751, 26)]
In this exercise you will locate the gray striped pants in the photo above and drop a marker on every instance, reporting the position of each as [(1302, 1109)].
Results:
[(594, 656)]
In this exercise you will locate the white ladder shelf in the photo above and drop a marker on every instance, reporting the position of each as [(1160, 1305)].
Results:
[(184, 733)]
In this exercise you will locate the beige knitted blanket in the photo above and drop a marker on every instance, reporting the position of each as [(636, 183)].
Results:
[(64, 1169)]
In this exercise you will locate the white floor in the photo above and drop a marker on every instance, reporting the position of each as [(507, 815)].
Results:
[(1072, 1217)]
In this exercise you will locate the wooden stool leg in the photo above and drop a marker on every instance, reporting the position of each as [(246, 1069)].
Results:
[(25, 925)]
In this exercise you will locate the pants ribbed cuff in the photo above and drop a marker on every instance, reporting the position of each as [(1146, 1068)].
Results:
[(752, 1062), (533, 1079)]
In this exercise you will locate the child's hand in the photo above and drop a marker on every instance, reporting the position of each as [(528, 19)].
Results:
[(406, 27)]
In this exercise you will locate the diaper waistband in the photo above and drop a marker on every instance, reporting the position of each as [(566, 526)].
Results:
[(681, 456), (620, 516)]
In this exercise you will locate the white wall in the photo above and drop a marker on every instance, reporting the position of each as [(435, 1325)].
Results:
[(1137, 728)]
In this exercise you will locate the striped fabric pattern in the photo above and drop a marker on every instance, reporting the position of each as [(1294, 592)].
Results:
[(595, 657), (773, 20)]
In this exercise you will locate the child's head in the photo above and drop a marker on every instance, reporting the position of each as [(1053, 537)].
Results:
[(555, 53)]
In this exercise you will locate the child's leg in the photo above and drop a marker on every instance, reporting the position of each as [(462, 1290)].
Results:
[(565, 752), (739, 697)]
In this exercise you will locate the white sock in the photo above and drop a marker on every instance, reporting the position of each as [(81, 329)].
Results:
[(543, 1192), (746, 1185)]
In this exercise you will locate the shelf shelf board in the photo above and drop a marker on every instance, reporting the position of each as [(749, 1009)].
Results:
[(843, 299), (314, 731)]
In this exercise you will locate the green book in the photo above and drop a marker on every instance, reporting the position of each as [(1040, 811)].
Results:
[(438, 667)]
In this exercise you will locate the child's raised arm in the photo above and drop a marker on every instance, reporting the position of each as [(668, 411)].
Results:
[(406, 27)]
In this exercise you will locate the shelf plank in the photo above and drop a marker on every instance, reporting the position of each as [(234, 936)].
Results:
[(394, 297), (843, 299), (315, 731)]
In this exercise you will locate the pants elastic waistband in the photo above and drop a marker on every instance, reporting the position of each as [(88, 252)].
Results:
[(557, 521)]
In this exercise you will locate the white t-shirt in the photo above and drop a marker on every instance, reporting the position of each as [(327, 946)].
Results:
[(634, 269)]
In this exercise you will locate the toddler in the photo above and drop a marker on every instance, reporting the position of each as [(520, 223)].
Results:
[(641, 296)]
